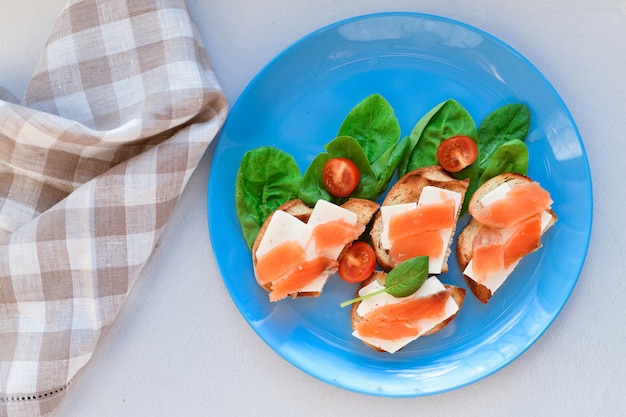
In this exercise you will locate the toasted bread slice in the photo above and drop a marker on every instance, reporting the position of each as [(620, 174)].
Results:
[(364, 210), (408, 190), (510, 178), (464, 245), (457, 294)]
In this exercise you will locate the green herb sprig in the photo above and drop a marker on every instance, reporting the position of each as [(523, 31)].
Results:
[(402, 281)]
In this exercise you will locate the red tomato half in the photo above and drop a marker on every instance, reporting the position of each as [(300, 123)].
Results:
[(358, 263), (340, 176), (456, 153)]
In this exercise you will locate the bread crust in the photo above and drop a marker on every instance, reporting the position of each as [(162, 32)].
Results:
[(364, 210), (457, 294), (408, 190), (466, 237)]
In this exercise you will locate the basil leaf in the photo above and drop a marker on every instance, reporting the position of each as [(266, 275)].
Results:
[(508, 122), (373, 124), (407, 277), (511, 156), (267, 178)]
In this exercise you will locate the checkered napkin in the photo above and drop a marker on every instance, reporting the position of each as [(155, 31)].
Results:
[(120, 109)]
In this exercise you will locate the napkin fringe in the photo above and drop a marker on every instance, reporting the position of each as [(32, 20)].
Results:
[(43, 404), (21, 398)]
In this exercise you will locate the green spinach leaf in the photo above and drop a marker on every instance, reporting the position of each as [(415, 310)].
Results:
[(445, 120), (414, 137), (373, 124), (267, 177), (450, 119), (348, 147), (386, 165), (510, 121), (313, 189), (511, 156)]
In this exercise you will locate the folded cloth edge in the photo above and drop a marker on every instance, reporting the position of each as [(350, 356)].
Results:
[(31, 385)]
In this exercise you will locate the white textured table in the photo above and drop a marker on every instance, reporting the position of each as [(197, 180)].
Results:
[(180, 347)]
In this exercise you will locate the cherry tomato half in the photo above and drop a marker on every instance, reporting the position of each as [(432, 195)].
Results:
[(456, 153), (358, 263), (340, 176)]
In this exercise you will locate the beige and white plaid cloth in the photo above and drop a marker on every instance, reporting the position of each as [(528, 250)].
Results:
[(119, 111)]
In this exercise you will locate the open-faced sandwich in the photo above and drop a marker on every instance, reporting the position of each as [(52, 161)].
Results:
[(298, 248), (418, 217), (509, 214), (387, 323)]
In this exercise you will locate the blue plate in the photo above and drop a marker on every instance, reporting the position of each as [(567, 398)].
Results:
[(297, 103)]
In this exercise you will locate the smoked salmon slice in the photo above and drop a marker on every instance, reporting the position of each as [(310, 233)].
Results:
[(398, 320), (519, 203), (279, 261), (427, 243), (487, 253), (427, 307), (303, 274), (335, 233), (388, 330), (426, 217), (525, 239)]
